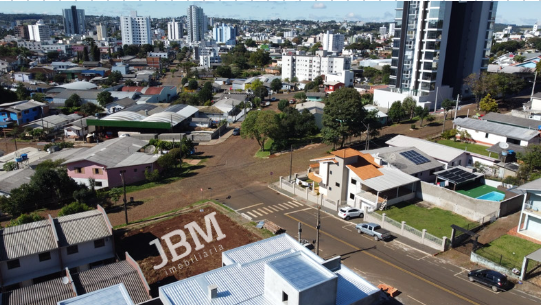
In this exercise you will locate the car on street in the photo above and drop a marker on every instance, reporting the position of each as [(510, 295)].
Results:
[(273, 99), (374, 230), (493, 279), (348, 212), (236, 132)]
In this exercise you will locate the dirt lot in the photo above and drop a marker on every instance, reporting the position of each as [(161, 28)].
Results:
[(136, 239)]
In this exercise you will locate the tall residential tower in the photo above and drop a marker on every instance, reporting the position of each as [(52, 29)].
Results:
[(135, 29), (174, 30), (197, 23), (74, 21)]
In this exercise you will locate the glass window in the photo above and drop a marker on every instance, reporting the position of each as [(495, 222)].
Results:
[(351, 196), (14, 264), (45, 256)]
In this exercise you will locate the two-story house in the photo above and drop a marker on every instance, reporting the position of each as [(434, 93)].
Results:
[(530, 216), (21, 112), (31, 251)]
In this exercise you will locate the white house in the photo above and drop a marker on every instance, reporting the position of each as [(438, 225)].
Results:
[(490, 133), (530, 217)]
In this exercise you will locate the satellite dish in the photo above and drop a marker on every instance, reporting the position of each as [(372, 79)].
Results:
[(504, 145), (150, 149), (65, 280)]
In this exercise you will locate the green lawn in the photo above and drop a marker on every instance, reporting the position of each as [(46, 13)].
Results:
[(475, 191), (167, 177), (509, 251), (474, 148), (266, 152), (436, 221)]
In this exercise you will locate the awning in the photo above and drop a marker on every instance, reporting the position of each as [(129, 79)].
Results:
[(391, 178), (313, 177)]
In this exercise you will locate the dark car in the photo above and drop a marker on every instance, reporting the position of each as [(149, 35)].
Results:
[(273, 99), (236, 132), (491, 278)]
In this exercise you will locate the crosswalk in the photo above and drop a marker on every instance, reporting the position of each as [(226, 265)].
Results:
[(262, 211)]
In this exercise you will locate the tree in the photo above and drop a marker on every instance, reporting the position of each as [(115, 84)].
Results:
[(85, 54), (530, 167), (343, 116), (294, 79), (481, 84), (205, 95), (409, 104), (73, 101), (259, 125), (95, 51), (73, 208), (22, 92), (422, 113), (90, 109), (193, 85), (464, 135), (39, 97), (25, 218), (105, 98), (255, 84), (488, 104), (184, 81), (282, 104), (59, 78), (173, 72), (166, 161), (257, 102), (115, 194), (9, 166), (318, 80), (396, 112), (224, 71), (129, 82), (301, 96), (250, 43), (276, 85), (261, 92), (115, 76), (41, 77), (519, 58)]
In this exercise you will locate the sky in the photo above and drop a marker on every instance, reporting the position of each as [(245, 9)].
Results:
[(517, 12)]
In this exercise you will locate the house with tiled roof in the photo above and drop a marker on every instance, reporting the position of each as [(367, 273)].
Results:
[(350, 177), (31, 251)]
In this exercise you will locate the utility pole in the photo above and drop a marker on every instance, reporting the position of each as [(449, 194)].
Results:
[(533, 87), (456, 108), (318, 225), (300, 231), (125, 202), (291, 162), (367, 145)]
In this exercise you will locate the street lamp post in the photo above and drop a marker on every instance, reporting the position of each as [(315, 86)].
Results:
[(125, 202), (210, 189)]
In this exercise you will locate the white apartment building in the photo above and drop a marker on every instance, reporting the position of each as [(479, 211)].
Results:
[(310, 67), (333, 42), (197, 23), (135, 29), (382, 31), (209, 57), (174, 30), (391, 29), (102, 31), (39, 31)]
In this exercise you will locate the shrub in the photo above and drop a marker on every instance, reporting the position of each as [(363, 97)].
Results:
[(152, 176), (73, 208), (412, 126), (9, 166), (25, 218), (167, 161), (447, 134)]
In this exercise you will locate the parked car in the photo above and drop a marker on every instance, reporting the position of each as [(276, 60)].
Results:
[(292, 101), (267, 103), (373, 229), (348, 212), (273, 99), (236, 132), (490, 278)]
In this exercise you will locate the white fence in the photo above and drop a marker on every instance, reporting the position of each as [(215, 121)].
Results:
[(307, 194), (401, 228)]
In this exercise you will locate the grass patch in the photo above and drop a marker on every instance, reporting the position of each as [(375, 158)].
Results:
[(167, 177), (266, 152), (509, 251), (436, 221), (475, 191), (474, 148), (264, 232)]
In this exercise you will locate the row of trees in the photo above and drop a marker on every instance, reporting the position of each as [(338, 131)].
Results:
[(495, 84)]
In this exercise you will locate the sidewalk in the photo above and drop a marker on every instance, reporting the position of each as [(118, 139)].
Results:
[(221, 139), (400, 239)]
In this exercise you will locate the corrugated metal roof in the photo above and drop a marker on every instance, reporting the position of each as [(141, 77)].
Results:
[(124, 115), (81, 227), (511, 120), (435, 150), (14, 179), (109, 275), (532, 185), (46, 293), (137, 159), (113, 295), (391, 178), (26, 239), (165, 117), (300, 271), (352, 287), (518, 133)]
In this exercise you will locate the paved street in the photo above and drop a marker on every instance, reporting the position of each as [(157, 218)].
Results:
[(421, 277)]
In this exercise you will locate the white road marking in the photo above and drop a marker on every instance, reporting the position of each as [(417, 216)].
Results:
[(253, 215), (297, 204), (257, 213), (297, 211), (277, 207), (273, 208), (261, 211), (249, 207), (344, 227), (267, 209), (283, 206), (289, 205), (416, 299)]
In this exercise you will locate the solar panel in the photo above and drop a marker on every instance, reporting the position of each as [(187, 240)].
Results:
[(414, 157), (457, 176)]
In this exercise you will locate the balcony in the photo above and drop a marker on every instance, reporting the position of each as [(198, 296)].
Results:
[(532, 209)]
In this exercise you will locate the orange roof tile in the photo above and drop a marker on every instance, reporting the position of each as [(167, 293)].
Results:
[(364, 170), (314, 165), (323, 159), (313, 177), (350, 152)]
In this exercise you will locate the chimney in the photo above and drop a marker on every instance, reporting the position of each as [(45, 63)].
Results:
[(212, 291)]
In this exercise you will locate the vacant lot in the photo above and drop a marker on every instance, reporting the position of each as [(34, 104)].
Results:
[(135, 240), (509, 251), (436, 221), (474, 148)]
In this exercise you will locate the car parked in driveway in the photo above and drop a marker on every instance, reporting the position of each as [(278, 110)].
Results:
[(273, 99), (493, 279), (348, 212), (236, 132)]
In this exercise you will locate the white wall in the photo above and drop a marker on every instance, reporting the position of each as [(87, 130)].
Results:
[(30, 267), (481, 136), (87, 253)]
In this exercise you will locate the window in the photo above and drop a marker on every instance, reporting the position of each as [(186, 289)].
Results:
[(99, 243), (337, 184), (98, 183), (330, 173), (353, 181), (78, 170), (330, 188), (45, 256), (486, 135), (351, 196), (73, 249), (14, 264), (97, 171), (284, 297), (459, 162)]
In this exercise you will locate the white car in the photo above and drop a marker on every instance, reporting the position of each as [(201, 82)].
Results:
[(348, 212)]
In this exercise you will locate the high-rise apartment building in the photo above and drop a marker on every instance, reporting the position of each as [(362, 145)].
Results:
[(225, 34), (39, 31), (74, 21), (438, 43), (21, 31), (391, 29), (310, 67), (101, 30), (333, 42), (174, 30), (197, 23), (135, 29), (382, 31)]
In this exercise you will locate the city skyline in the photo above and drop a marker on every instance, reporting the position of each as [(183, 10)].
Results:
[(520, 13)]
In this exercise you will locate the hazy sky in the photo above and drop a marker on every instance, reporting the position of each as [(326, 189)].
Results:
[(518, 12)]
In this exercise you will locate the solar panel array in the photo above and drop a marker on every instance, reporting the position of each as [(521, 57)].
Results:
[(457, 176), (414, 157)]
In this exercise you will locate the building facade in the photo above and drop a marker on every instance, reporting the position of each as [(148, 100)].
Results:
[(101, 29), (197, 23), (174, 30), (39, 31), (225, 34), (310, 67), (74, 21), (333, 42), (135, 29)]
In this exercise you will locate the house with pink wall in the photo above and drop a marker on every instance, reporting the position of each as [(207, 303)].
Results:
[(106, 162)]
